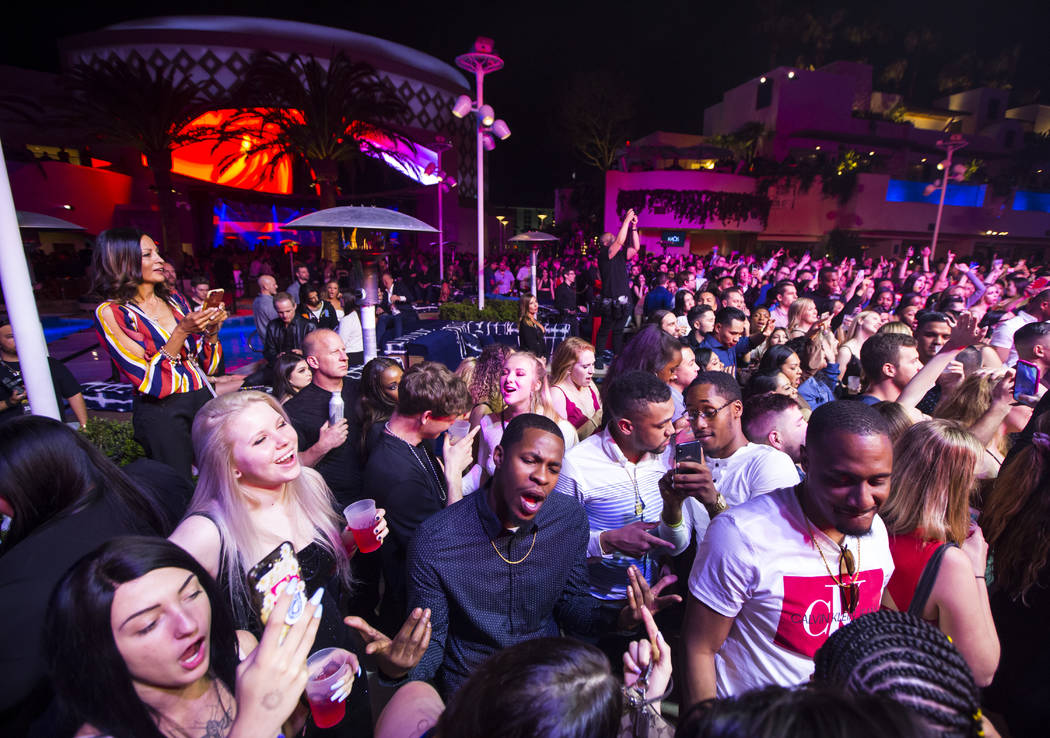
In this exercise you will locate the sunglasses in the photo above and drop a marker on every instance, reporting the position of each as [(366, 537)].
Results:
[(848, 590)]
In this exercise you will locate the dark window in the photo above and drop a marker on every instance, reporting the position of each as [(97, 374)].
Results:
[(1008, 139), (993, 109), (765, 94)]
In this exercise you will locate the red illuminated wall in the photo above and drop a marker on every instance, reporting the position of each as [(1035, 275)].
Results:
[(201, 161)]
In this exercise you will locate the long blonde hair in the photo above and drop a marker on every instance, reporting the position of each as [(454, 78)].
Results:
[(933, 475), (796, 310), (220, 497), (540, 401), (855, 325)]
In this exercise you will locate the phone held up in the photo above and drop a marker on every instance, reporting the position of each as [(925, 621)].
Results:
[(214, 299), (1026, 382), (271, 576), (691, 451)]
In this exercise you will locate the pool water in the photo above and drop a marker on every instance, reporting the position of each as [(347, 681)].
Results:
[(236, 332)]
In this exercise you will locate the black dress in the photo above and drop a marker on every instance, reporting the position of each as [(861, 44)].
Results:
[(530, 338), (1020, 691), (318, 569)]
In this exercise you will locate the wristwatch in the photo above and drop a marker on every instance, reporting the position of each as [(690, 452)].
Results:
[(718, 506)]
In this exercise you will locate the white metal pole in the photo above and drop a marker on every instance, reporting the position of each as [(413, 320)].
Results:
[(441, 232), (940, 205), (533, 271), (21, 307), (480, 76), (368, 331)]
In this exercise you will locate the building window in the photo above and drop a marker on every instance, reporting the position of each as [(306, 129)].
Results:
[(993, 108), (1008, 139), (765, 93)]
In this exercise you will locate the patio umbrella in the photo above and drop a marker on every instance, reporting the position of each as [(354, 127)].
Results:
[(369, 218), (533, 239), (41, 222)]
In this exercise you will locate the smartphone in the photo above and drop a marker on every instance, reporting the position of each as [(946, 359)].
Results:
[(214, 299), (683, 324), (691, 451), (271, 576), (1026, 382)]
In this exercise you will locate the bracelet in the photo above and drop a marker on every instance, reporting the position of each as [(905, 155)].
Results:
[(169, 357)]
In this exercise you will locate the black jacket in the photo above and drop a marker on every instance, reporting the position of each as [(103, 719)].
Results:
[(328, 318), (281, 337)]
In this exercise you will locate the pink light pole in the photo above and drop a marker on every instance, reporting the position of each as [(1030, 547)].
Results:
[(481, 61)]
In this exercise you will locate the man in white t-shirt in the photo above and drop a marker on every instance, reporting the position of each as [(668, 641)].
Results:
[(773, 576), (734, 469), (1002, 340)]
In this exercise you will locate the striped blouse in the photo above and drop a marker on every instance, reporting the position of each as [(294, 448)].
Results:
[(156, 375)]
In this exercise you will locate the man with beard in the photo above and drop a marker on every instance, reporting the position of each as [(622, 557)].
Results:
[(317, 311), (508, 563), (775, 576)]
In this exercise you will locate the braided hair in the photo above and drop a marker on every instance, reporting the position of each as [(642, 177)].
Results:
[(908, 660)]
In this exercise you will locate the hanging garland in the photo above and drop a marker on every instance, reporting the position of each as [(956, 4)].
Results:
[(697, 206)]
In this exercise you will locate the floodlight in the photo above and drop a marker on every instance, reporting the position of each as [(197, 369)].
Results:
[(488, 142), (487, 115), (501, 129), (462, 106)]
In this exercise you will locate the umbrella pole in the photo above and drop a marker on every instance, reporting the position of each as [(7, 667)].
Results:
[(21, 307), (368, 310), (533, 271)]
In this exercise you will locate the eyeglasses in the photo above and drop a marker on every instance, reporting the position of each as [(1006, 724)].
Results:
[(848, 590), (694, 414)]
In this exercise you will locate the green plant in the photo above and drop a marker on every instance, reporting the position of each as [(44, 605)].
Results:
[(114, 438), (495, 310)]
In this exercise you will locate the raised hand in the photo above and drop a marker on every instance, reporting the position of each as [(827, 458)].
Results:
[(965, 332), (651, 657), (399, 656), (272, 678), (640, 596)]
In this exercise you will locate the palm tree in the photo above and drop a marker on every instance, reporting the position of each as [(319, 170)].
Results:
[(131, 103), (297, 108)]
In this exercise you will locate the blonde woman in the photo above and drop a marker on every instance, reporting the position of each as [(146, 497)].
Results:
[(969, 401), (525, 390), (863, 327), (252, 495), (802, 316), (928, 517), (573, 392)]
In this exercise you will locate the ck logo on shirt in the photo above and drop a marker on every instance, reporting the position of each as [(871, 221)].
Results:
[(812, 609)]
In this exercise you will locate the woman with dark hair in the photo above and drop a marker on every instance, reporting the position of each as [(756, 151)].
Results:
[(707, 360), (784, 360), (290, 374), (64, 498), (1015, 519), (542, 688), (545, 286), (650, 350), (683, 303), (530, 330), (140, 645), (165, 350), (899, 657), (350, 331), (485, 385), (378, 399)]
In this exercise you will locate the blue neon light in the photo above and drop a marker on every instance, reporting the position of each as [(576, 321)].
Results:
[(969, 196), (1037, 201)]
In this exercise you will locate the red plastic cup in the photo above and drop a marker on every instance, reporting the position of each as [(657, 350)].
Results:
[(361, 517), (325, 668)]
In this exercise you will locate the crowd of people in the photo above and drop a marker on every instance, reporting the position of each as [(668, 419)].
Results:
[(809, 488)]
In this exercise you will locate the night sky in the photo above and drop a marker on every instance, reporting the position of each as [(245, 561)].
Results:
[(674, 58)]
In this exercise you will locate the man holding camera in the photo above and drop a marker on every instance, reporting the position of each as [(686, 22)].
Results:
[(614, 307)]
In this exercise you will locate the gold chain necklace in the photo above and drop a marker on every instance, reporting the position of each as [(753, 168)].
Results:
[(816, 545), (512, 563)]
